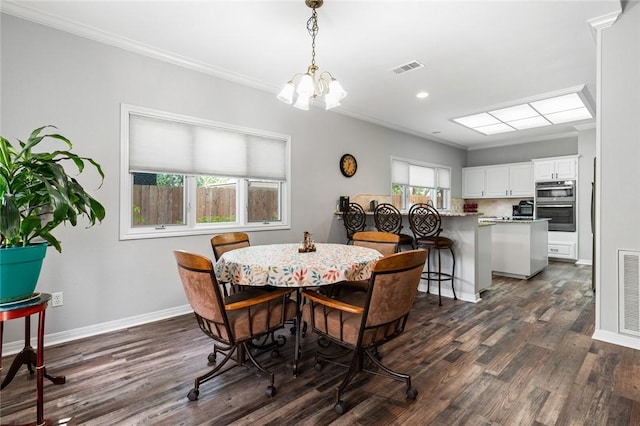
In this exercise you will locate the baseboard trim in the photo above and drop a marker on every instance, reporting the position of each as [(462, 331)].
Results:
[(584, 262), (94, 330), (617, 339), (446, 292)]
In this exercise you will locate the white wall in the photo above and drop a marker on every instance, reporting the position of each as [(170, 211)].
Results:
[(618, 150), (52, 77)]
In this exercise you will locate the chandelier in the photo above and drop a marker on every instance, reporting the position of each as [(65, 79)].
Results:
[(311, 85)]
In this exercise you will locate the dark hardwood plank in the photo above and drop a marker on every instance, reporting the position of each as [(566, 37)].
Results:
[(523, 355)]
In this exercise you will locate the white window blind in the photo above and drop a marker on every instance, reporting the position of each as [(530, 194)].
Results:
[(424, 177), (169, 146), (444, 178), (405, 173), (400, 172)]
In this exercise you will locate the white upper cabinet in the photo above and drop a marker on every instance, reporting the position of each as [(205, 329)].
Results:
[(497, 182), (473, 182), (559, 168), (521, 180), (503, 181)]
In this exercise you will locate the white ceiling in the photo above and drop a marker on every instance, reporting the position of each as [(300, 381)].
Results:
[(478, 55)]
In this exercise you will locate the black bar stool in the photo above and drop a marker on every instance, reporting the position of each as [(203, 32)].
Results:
[(425, 221), (387, 218), (355, 220)]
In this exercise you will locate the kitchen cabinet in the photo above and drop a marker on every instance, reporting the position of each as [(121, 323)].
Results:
[(519, 249), (504, 181), (562, 245), (559, 168), (473, 182)]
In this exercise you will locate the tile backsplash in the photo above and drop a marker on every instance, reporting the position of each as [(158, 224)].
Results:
[(496, 206)]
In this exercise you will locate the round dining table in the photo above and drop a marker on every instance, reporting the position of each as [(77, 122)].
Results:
[(282, 265)]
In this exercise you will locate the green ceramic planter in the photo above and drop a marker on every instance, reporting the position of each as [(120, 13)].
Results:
[(19, 271)]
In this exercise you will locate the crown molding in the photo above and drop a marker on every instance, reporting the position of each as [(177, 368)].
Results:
[(18, 10), (588, 126)]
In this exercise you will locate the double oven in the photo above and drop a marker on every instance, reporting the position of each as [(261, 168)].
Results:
[(557, 201)]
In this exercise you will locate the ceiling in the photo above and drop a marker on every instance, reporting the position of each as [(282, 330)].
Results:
[(478, 55)]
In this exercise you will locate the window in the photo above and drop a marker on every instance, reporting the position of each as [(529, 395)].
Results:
[(414, 182), (183, 176)]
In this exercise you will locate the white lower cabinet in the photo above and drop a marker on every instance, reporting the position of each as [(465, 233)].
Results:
[(519, 249), (562, 245)]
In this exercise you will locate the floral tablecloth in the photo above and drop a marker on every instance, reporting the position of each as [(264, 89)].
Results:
[(281, 265)]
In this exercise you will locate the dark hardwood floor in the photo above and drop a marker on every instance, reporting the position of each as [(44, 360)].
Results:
[(521, 356)]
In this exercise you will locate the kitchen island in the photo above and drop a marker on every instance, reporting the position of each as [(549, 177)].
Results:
[(472, 248), (519, 247)]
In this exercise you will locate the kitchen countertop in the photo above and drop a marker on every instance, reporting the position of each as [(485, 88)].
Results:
[(442, 213), (507, 219)]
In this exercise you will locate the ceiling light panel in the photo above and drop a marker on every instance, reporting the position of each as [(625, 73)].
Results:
[(494, 129), (571, 115), (517, 112), (477, 120), (530, 123), (565, 108), (558, 104)]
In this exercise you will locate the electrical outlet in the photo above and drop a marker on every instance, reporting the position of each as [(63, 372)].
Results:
[(56, 299)]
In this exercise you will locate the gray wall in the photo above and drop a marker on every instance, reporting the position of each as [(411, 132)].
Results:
[(522, 152), (52, 77), (619, 155), (587, 151)]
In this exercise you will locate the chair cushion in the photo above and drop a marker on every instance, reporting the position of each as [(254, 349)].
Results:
[(246, 323), (347, 327), (406, 240), (435, 242)]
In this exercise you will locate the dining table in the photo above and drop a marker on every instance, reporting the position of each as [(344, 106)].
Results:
[(285, 265)]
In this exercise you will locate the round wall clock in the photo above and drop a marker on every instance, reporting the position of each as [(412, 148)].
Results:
[(348, 165)]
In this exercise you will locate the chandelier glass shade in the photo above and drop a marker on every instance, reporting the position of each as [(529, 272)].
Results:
[(303, 87)]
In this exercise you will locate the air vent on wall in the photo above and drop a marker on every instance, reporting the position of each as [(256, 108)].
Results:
[(629, 290), (413, 65)]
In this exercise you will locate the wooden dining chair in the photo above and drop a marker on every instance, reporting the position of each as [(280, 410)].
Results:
[(220, 244), (360, 322), (384, 242), (233, 321)]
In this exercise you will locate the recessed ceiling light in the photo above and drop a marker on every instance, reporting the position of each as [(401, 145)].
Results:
[(573, 105), (422, 94)]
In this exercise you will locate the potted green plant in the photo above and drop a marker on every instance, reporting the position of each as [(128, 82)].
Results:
[(37, 195)]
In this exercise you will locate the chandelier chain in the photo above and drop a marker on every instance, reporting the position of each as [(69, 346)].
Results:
[(312, 27)]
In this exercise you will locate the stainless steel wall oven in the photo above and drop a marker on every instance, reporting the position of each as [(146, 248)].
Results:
[(557, 201)]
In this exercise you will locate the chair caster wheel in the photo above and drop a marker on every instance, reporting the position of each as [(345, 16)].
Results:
[(318, 366), (275, 353), (412, 393), (323, 342), (193, 395), (212, 358), (292, 330), (340, 408), (271, 390)]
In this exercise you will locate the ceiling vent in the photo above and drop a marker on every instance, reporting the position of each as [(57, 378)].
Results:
[(413, 65)]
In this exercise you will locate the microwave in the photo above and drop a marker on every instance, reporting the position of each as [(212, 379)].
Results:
[(524, 208), (556, 191)]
